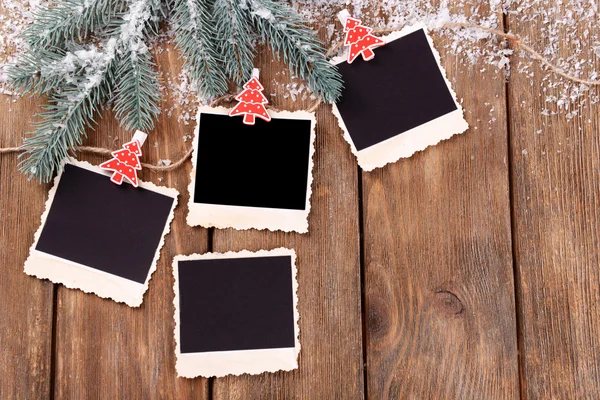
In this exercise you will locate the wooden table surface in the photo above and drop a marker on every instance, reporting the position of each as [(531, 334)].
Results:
[(470, 270)]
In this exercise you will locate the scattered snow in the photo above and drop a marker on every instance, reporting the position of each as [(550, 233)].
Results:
[(546, 25), (264, 13), (132, 36), (183, 94), (193, 14), (93, 60), (257, 10), (15, 16)]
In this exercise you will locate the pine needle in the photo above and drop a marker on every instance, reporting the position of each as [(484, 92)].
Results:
[(137, 94), (195, 37), (84, 53), (71, 20), (62, 127), (234, 40), (284, 30)]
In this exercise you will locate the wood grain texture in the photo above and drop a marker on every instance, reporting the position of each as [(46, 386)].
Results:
[(111, 351), (440, 317), (25, 302), (438, 261), (557, 230), (330, 361)]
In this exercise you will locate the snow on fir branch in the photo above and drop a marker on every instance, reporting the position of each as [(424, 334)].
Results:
[(70, 20), (84, 53), (288, 35), (137, 90), (82, 81), (236, 49), (196, 38)]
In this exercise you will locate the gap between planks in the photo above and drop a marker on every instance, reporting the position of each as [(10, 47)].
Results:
[(363, 295), (211, 380), (514, 248), (53, 358)]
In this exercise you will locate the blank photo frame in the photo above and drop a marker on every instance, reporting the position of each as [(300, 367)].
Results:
[(398, 103), (252, 176), (100, 237), (236, 313)]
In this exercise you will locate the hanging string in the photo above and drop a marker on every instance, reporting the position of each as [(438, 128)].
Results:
[(516, 42), (105, 152)]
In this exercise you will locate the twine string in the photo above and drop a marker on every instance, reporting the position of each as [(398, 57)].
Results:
[(516, 42)]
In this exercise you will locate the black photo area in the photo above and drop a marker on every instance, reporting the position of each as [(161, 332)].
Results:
[(236, 304), (261, 165), (400, 89), (99, 224)]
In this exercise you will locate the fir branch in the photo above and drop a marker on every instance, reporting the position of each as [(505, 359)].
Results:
[(137, 93), (69, 111), (118, 67), (302, 51), (195, 37), (26, 74), (234, 40), (61, 129), (70, 20), (83, 79), (159, 11)]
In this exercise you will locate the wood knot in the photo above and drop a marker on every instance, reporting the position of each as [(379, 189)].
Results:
[(377, 320), (448, 302)]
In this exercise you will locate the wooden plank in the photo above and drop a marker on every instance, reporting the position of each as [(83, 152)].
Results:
[(556, 201), (25, 302), (330, 362), (440, 311), (108, 350)]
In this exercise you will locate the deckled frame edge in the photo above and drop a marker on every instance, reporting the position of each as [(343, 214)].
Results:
[(182, 369), (260, 222), (106, 292), (369, 162)]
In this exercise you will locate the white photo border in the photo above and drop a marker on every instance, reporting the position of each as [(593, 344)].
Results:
[(416, 139), (242, 217), (236, 362), (90, 280)]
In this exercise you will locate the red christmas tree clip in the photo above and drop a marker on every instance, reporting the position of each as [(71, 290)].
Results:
[(125, 162), (251, 101), (358, 38)]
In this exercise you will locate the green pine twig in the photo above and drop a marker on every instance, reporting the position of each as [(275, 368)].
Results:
[(62, 127), (70, 21), (30, 72), (136, 85), (285, 31), (195, 37), (137, 92), (234, 40)]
